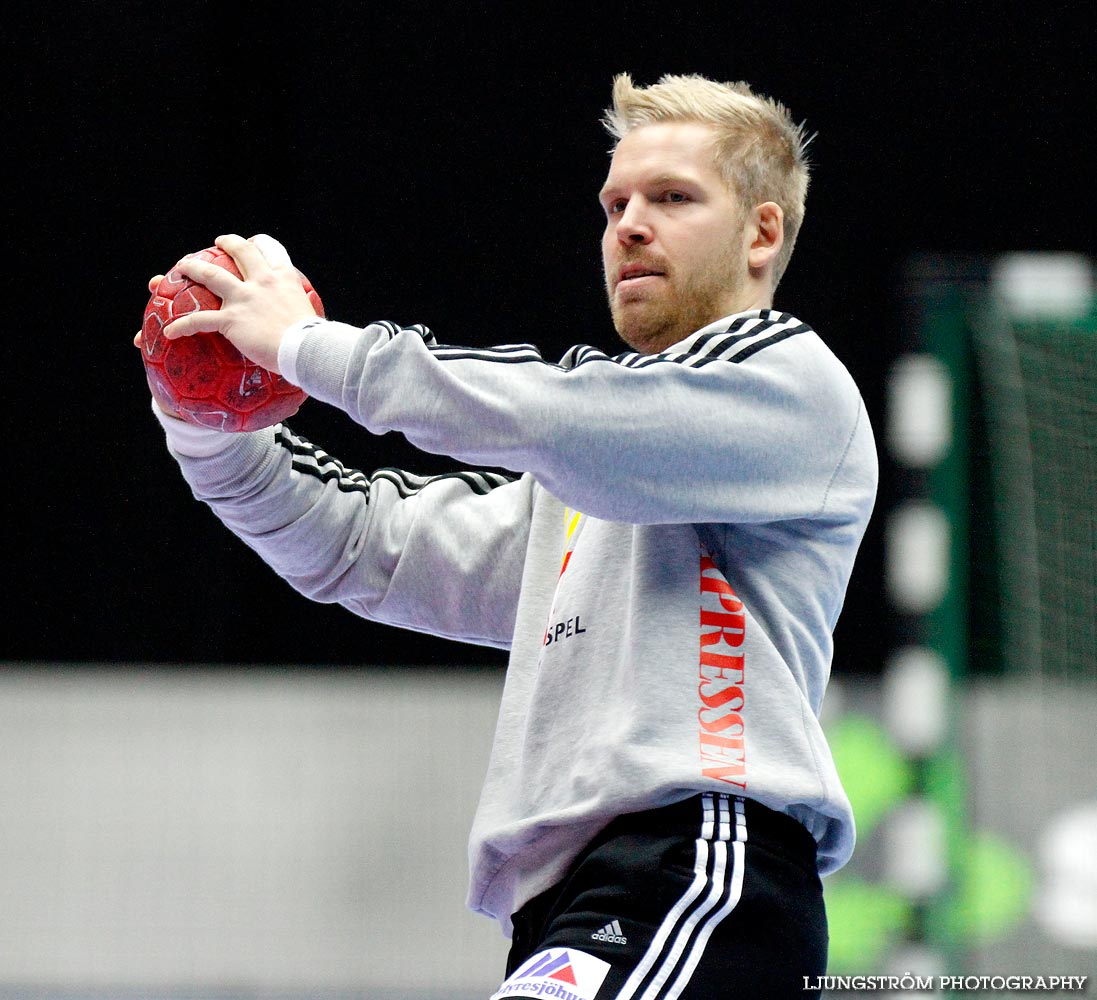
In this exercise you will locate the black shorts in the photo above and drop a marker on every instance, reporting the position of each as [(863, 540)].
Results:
[(710, 898)]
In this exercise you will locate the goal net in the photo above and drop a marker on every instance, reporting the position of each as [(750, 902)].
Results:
[(1035, 347)]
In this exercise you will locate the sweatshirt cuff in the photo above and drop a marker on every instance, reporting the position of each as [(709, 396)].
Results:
[(315, 354), (189, 439), (290, 346)]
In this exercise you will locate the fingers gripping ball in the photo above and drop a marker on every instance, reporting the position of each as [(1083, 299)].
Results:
[(204, 379)]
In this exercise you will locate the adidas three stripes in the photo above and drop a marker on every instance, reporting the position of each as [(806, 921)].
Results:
[(710, 898)]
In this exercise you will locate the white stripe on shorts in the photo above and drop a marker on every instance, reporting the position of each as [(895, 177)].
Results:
[(717, 878)]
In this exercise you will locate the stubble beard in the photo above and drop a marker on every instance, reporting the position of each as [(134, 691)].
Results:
[(688, 302)]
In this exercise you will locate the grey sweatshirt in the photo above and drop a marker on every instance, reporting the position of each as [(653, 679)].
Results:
[(666, 564)]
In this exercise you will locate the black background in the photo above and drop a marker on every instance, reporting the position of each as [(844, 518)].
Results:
[(441, 167)]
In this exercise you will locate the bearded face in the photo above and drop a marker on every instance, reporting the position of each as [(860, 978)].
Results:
[(675, 247)]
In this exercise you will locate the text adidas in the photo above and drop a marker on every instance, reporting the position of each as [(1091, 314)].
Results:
[(611, 934)]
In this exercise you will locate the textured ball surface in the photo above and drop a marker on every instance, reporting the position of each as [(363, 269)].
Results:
[(204, 379)]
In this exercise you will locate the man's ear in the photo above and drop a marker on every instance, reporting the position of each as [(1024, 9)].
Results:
[(768, 230)]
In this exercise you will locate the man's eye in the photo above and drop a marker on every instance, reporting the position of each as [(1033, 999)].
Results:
[(675, 197), (617, 205)]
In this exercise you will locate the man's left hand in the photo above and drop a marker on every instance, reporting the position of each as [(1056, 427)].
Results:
[(257, 309)]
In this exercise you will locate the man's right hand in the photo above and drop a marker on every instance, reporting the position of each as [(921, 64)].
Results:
[(154, 281)]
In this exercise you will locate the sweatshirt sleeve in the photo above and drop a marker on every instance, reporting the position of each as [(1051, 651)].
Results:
[(438, 554), (755, 423)]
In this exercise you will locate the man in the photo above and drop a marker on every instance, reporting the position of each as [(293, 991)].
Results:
[(666, 567)]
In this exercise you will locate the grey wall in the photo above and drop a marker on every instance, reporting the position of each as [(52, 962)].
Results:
[(252, 832)]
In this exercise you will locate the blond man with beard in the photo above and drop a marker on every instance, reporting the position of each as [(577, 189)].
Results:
[(666, 565)]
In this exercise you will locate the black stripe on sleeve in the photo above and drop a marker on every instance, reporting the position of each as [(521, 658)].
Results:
[(760, 345), (744, 337), (408, 484), (310, 460)]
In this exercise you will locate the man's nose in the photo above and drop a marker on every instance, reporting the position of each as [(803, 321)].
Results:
[(634, 226)]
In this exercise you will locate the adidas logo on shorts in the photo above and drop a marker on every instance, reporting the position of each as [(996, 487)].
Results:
[(611, 933)]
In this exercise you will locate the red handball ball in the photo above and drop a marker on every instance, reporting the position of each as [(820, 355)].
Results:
[(204, 379)]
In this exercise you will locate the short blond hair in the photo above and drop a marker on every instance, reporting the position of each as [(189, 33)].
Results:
[(760, 150)]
